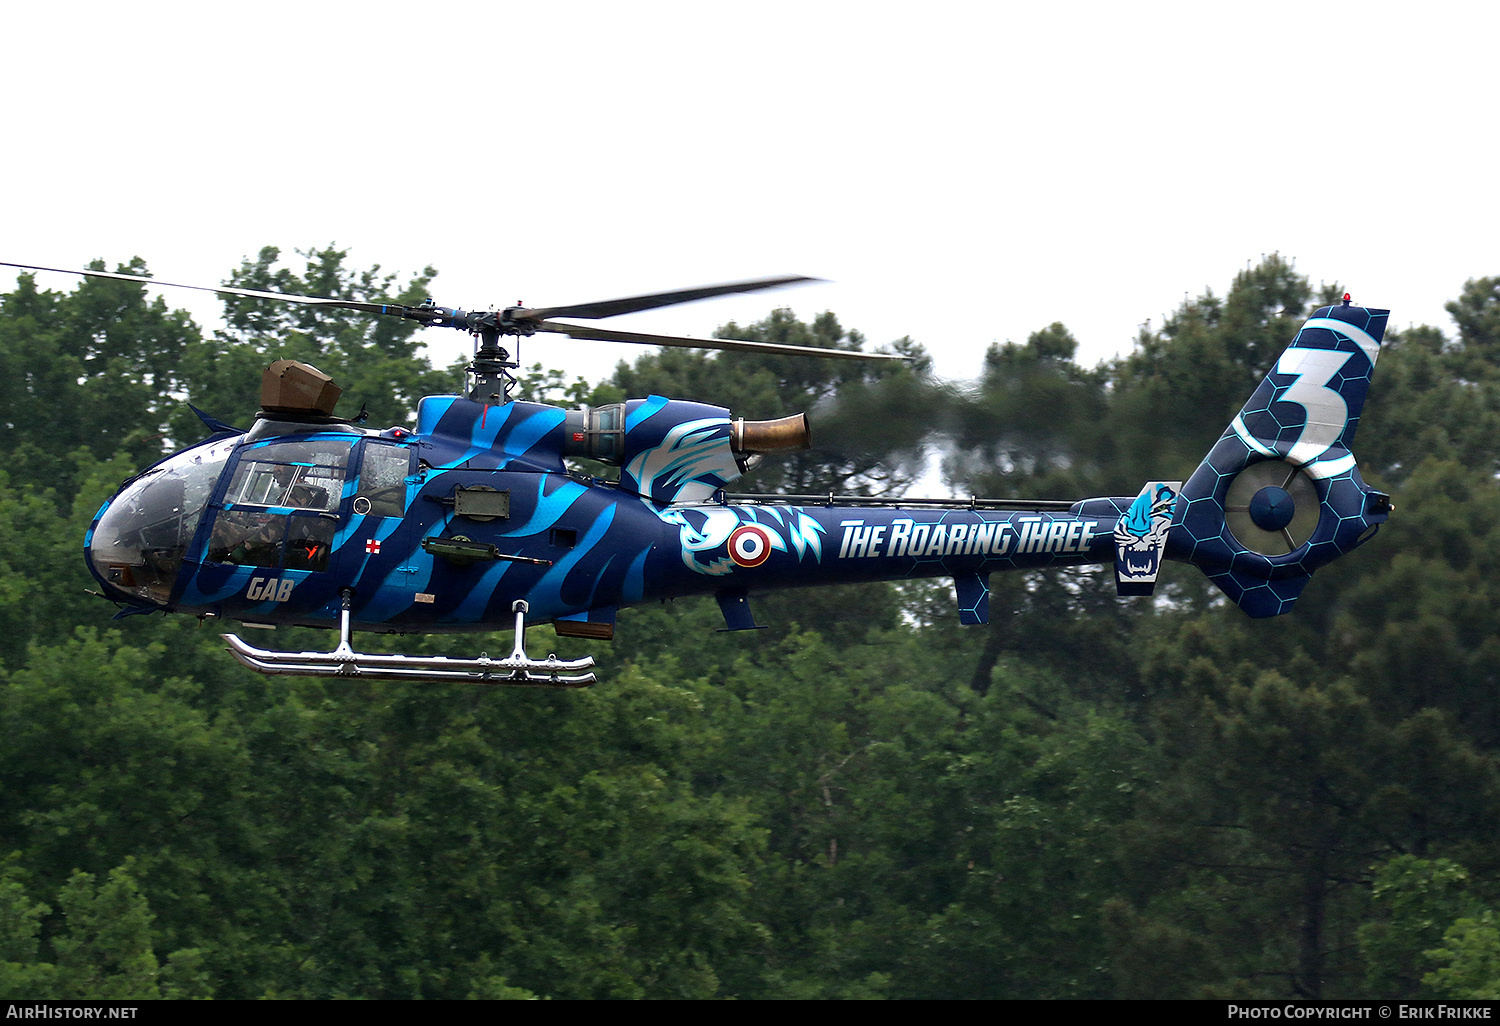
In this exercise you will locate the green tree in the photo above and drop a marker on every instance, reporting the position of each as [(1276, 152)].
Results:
[(1044, 798), (99, 368), (375, 360), (1415, 902), (1033, 427), (22, 973), (1477, 313), (102, 945), (1471, 951)]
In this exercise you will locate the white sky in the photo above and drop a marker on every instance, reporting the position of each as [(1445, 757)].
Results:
[(963, 172)]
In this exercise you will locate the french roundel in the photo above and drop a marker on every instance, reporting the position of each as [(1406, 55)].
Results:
[(749, 545)]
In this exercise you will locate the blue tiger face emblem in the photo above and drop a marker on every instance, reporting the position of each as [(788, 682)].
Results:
[(1141, 534)]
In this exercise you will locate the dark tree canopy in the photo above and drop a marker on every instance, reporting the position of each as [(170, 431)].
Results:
[(1089, 798)]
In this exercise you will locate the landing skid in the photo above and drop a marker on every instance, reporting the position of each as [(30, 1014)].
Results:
[(518, 669)]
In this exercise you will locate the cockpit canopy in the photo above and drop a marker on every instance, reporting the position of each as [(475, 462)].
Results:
[(139, 543), (281, 508)]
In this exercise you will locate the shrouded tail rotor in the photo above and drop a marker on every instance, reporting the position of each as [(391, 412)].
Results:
[(1272, 508)]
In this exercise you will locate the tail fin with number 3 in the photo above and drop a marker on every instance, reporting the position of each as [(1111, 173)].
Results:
[(1280, 494)]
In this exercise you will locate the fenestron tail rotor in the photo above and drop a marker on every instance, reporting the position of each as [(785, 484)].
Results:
[(1272, 507)]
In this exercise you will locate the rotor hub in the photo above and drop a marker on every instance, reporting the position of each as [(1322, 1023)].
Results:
[(1272, 508)]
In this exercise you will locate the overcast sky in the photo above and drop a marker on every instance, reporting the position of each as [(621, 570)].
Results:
[(963, 172)]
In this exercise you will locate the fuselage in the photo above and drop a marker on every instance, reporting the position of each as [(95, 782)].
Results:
[(445, 527), (474, 520)]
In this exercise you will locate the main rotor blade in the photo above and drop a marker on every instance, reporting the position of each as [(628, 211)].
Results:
[(632, 304), (733, 344), (223, 290)]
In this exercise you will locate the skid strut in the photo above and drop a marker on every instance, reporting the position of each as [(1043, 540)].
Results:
[(517, 669)]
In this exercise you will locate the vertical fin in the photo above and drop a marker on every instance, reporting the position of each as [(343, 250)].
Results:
[(1141, 537), (734, 603), (973, 598), (1280, 494)]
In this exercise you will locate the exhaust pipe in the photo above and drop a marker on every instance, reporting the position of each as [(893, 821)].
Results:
[(784, 435)]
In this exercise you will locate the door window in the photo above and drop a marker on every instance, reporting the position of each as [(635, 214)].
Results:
[(382, 481)]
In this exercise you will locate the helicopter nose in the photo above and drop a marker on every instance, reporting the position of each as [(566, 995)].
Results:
[(127, 557), (141, 538)]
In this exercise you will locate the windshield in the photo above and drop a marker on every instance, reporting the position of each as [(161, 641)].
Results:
[(139, 542)]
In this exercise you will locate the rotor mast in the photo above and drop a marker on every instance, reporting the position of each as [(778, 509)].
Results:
[(489, 378)]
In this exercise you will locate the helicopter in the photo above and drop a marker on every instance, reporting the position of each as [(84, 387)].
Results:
[(472, 519)]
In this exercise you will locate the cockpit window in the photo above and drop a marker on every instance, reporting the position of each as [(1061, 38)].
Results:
[(247, 538), (139, 542), (250, 537), (280, 505), (299, 475)]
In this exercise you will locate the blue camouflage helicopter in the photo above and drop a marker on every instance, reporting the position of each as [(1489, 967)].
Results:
[(473, 519)]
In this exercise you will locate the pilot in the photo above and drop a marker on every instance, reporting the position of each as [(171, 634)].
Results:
[(258, 544), (307, 496)]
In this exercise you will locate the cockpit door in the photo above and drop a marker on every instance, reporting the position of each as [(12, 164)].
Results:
[(372, 545), (280, 515), (383, 473)]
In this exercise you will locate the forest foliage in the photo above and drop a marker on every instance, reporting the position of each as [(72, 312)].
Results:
[(1089, 797)]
